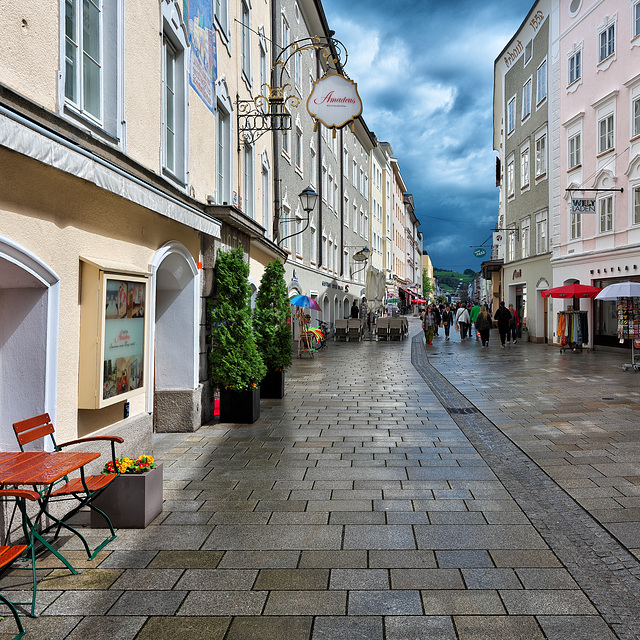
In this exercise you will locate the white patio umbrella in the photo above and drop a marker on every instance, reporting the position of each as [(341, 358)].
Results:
[(374, 291), (620, 290)]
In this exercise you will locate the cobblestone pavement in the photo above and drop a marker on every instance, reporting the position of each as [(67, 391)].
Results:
[(458, 496)]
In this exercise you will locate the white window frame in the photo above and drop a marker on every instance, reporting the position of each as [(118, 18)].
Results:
[(511, 176), (249, 181), (635, 113), (511, 243), (635, 19), (266, 193), (175, 119), (541, 83), (224, 137), (528, 52), (285, 35), (313, 164), (542, 233), (511, 116), (575, 224), (245, 45), (354, 173), (221, 17), (297, 62), (607, 41), (525, 167), (313, 243), (635, 203), (606, 133), (298, 151), (574, 151), (526, 99), (606, 210), (299, 237), (574, 66), (525, 240), (541, 159)]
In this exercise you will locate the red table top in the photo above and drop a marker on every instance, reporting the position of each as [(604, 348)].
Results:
[(35, 468)]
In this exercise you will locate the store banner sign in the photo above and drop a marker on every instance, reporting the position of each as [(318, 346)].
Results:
[(583, 205), (334, 101), (498, 239), (480, 252)]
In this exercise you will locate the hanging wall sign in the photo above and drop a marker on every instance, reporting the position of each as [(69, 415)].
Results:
[(480, 252), (583, 205), (334, 101)]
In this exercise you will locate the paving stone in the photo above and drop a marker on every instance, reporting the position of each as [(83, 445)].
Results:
[(217, 580), (84, 603), (270, 628), (460, 559), (186, 559), (478, 537), (414, 627), (575, 628), (194, 628), (546, 579), (458, 603), (315, 603), (491, 627), (148, 579), (347, 628), (546, 602), (524, 558), (292, 579), (89, 579), (126, 560), (107, 628), (361, 579), (223, 603), (274, 537), (491, 578), (378, 537), (356, 559), (49, 628), (385, 603), (426, 579)]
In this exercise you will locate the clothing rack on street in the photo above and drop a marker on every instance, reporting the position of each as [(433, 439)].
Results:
[(629, 327), (573, 330)]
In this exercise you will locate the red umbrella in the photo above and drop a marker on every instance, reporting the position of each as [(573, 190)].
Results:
[(418, 301), (576, 290)]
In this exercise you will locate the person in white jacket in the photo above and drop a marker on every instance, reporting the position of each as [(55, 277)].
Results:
[(462, 320)]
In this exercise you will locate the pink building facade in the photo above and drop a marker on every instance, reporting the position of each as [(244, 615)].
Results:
[(595, 151)]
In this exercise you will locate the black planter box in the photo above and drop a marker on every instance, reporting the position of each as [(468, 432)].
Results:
[(272, 385), (240, 406)]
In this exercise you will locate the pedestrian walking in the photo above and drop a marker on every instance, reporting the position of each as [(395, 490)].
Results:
[(515, 321), (483, 325), (473, 314), (428, 324), (503, 316), (438, 318), (355, 312), (446, 318), (463, 321)]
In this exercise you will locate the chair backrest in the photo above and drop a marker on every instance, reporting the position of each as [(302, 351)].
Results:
[(341, 323), (33, 429)]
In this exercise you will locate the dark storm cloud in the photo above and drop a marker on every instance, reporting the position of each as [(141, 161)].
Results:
[(425, 74)]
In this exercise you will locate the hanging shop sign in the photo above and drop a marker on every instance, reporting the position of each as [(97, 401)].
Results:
[(334, 101), (583, 205), (480, 252), (498, 239)]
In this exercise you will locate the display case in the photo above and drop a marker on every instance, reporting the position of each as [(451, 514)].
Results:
[(113, 335)]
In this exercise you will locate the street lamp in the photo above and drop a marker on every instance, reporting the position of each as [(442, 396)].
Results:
[(362, 255), (308, 199)]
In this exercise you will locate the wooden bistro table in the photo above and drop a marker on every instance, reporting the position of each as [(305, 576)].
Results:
[(41, 470)]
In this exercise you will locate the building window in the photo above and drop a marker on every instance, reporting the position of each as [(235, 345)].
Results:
[(298, 230), (286, 34), (263, 77), (221, 12), (298, 154), (345, 163), (524, 168), (174, 101), (511, 245), (511, 178), (286, 147), (355, 219), (313, 167), (541, 156), (528, 52), (575, 67), (541, 82), (636, 205), (636, 114), (266, 199), (541, 234), (526, 99), (574, 151), (607, 42), (635, 20), (83, 56), (576, 226), (223, 149), (249, 186), (511, 115), (297, 60), (361, 181), (324, 183), (525, 240), (354, 173), (246, 41), (605, 134), (314, 246), (605, 212)]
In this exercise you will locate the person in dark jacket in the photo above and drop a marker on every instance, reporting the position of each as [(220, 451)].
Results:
[(355, 312), (446, 317), (483, 325), (503, 316), (437, 316)]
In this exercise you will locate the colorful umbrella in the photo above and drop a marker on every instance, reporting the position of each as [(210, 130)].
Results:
[(418, 301), (393, 300), (576, 290), (620, 290), (306, 302)]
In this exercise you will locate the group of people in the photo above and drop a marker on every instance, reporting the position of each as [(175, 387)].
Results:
[(464, 317)]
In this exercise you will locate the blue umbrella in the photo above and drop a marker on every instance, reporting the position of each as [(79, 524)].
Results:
[(306, 302)]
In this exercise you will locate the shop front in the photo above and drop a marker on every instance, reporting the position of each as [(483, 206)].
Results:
[(606, 316)]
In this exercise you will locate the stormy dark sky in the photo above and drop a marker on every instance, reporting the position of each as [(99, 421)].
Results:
[(424, 70)]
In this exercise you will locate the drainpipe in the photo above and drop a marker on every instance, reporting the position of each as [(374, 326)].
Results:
[(320, 227)]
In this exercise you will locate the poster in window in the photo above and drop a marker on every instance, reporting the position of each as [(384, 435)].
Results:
[(123, 337)]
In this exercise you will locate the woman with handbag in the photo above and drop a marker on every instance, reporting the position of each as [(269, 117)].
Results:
[(446, 318), (429, 324), (462, 320)]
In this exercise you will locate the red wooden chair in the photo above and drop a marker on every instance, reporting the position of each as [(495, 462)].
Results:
[(83, 489), (9, 553)]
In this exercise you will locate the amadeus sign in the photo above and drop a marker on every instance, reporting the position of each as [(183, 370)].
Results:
[(583, 205), (479, 252), (334, 101)]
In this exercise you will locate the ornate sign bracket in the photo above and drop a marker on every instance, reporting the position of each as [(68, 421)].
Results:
[(269, 111)]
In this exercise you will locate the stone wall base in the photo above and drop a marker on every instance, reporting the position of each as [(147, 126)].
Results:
[(178, 410)]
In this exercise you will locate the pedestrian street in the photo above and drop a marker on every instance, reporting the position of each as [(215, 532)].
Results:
[(398, 491)]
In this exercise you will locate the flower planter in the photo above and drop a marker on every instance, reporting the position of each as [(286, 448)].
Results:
[(272, 385), (240, 406), (525, 336), (131, 501)]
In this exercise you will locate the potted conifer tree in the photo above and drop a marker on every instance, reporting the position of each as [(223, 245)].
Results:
[(236, 366), (272, 323)]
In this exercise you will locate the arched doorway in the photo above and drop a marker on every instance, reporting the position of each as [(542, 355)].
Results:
[(175, 402), (29, 325)]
